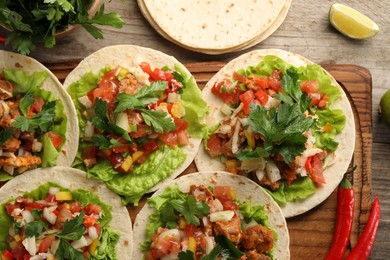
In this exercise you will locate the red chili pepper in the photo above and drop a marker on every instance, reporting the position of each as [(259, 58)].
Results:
[(366, 240), (344, 219), (2, 38)]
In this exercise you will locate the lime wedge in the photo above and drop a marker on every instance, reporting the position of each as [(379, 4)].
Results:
[(351, 22)]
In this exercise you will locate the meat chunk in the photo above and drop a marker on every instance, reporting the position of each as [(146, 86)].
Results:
[(254, 255), (258, 237), (201, 193), (11, 145), (21, 161), (5, 89), (231, 229)]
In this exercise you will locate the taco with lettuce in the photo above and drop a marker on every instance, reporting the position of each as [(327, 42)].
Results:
[(57, 213), (211, 215), (140, 114), (37, 117), (281, 121)]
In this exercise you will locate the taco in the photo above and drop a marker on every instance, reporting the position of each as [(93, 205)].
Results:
[(210, 215), (281, 121), (57, 213), (36, 117), (140, 115)]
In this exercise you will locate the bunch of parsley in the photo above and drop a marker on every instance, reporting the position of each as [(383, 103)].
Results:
[(34, 22)]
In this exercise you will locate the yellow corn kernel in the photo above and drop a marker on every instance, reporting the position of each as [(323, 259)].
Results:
[(232, 194), (178, 109), (123, 73), (137, 155), (51, 257), (128, 162), (250, 138), (182, 223), (63, 195), (192, 244), (93, 246)]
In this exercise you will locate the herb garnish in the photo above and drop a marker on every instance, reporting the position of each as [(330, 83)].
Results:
[(43, 120)]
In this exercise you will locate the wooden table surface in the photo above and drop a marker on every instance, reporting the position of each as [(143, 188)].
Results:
[(305, 31)]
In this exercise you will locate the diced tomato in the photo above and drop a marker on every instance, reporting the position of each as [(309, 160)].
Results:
[(89, 221), (107, 88), (33, 205), (156, 74), (239, 77), (275, 85), (290, 175), (261, 96), (149, 256), (313, 166), (146, 67), (6, 255), (315, 98), (246, 99), (182, 138), (142, 130), (190, 230), (310, 86), (116, 160), (150, 146), (229, 97), (229, 204), (45, 244), (223, 192), (169, 138), (262, 82), (160, 248), (181, 124), (92, 209), (323, 102), (35, 107), (10, 207), (89, 155), (214, 146), (55, 138), (276, 75), (75, 206), (50, 198), (20, 252)]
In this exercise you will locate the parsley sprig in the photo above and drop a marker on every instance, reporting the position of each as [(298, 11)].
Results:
[(43, 120), (37, 21)]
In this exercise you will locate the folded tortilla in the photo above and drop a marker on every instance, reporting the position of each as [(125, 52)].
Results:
[(72, 179), (333, 174), (246, 191)]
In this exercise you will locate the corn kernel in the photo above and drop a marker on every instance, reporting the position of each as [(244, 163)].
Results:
[(192, 244), (128, 162), (63, 195), (137, 155), (178, 109), (182, 223)]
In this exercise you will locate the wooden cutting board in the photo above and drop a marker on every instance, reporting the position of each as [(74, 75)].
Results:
[(311, 234)]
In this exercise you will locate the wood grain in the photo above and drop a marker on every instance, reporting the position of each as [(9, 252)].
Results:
[(311, 233)]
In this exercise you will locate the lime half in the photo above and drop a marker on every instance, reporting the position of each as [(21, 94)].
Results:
[(351, 22)]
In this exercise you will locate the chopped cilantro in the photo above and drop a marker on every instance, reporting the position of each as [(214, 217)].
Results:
[(43, 120)]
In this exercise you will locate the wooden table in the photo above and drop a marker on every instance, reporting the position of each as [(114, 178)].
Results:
[(306, 31)]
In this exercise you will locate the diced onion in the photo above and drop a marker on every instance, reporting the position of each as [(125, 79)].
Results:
[(36, 146), (54, 246), (9, 169), (92, 232), (244, 121), (82, 242), (123, 121), (49, 215), (223, 129), (225, 215), (311, 152), (210, 244), (253, 164), (170, 256), (53, 190), (238, 109), (89, 130), (86, 102), (272, 102), (30, 245), (9, 155), (171, 234), (272, 171), (27, 216), (172, 97), (5, 106), (235, 137), (260, 173), (216, 206), (226, 109)]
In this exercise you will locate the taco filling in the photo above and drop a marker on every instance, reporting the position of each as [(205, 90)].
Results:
[(279, 126), (206, 223), (52, 222), (135, 124), (32, 123)]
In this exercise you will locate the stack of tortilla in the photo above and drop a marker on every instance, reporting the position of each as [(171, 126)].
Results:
[(215, 27)]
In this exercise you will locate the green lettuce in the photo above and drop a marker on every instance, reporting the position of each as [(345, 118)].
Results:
[(50, 153), (300, 189), (32, 83), (109, 237)]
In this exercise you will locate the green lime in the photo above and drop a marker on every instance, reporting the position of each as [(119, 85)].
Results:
[(384, 108)]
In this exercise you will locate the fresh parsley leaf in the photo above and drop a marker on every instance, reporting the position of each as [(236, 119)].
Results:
[(66, 251), (73, 229), (229, 250), (248, 154), (102, 121), (43, 120), (109, 19), (25, 102), (146, 95), (283, 130), (187, 255), (5, 135), (158, 120), (191, 209), (35, 228), (169, 216), (104, 143), (214, 253), (292, 91)]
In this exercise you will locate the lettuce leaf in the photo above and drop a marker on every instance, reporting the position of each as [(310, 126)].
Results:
[(107, 242)]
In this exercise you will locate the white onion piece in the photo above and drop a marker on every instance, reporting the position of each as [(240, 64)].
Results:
[(27, 216), (225, 215), (226, 109), (171, 256), (172, 97), (5, 106), (253, 164), (36, 146), (53, 190), (243, 120), (210, 244), (235, 137), (311, 152), (49, 215), (260, 173), (238, 109), (9, 169), (92, 232), (272, 102), (86, 102), (82, 242), (30, 245), (54, 246), (171, 234), (224, 129), (89, 130), (272, 171)]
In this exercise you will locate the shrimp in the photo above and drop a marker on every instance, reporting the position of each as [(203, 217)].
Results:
[(231, 229), (259, 238), (21, 161)]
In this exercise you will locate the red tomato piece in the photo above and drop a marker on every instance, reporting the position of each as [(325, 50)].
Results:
[(190, 230), (261, 96), (7, 255), (239, 77), (35, 107), (160, 248), (223, 192), (214, 145), (142, 130), (55, 138), (50, 198), (275, 85), (89, 221), (181, 124), (313, 166), (75, 207), (310, 86), (169, 139), (10, 207), (150, 146), (246, 99), (182, 138), (45, 244), (262, 82), (92, 209), (229, 204)]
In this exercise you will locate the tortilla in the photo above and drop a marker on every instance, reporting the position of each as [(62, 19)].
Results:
[(333, 174), (257, 39), (212, 25), (29, 65), (245, 190), (72, 179), (128, 56)]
